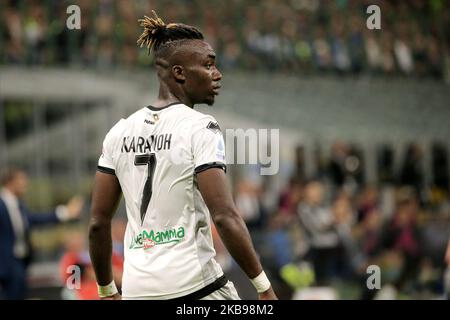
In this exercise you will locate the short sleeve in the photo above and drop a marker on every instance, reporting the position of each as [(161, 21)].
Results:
[(105, 162), (208, 146)]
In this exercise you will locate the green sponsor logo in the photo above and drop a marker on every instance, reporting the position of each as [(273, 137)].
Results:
[(150, 238)]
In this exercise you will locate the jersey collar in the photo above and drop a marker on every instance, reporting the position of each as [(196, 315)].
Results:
[(152, 108)]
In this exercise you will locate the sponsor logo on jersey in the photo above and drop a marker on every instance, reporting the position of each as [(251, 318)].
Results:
[(147, 239)]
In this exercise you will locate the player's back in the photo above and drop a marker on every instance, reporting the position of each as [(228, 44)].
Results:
[(168, 244)]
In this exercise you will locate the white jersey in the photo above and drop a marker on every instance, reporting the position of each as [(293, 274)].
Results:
[(155, 154)]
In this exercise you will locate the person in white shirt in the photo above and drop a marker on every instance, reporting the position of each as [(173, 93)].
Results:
[(168, 161)]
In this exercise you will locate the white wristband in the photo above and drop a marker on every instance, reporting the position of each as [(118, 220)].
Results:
[(261, 283), (62, 213), (108, 290)]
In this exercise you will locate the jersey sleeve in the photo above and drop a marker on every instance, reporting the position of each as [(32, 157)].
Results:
[(105, 162), (208, 146)]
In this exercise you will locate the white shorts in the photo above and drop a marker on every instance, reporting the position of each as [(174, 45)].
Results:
[(227, 292)]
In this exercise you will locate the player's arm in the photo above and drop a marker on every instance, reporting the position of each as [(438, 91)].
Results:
[(216, 193), (105, 199)]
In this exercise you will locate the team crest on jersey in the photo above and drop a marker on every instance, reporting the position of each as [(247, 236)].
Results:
[(155, 118), (213, 126)]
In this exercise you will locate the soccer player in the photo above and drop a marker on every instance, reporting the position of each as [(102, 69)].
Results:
[(168, 160)]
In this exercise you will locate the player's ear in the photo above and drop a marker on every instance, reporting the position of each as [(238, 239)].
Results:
[(178, 73)]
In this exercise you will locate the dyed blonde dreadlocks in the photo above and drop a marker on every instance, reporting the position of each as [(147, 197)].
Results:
[(156, 33)]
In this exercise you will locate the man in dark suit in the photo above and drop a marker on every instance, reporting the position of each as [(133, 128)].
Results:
[(15, 226), (447, 272)]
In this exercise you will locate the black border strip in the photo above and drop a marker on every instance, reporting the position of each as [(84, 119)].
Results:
[(205, 291), (158, 109), (210, 165), (106, 170)]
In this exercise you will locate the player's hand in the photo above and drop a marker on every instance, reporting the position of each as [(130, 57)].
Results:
[(74, 207), (268, 295), (117, 296)]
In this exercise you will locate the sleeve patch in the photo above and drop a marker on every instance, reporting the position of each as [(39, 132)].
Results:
[(213, 126)]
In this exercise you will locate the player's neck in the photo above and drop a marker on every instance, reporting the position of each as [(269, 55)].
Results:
[(166, 97)]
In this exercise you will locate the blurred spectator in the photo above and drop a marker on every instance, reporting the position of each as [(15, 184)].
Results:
[(356, 43), (13, 33), (319, 227), (322, 50), (404, 236), (412, 170), (279, 233), (290, 197), (16, 222), (249, 205), (370, 233), (374, 54), (368, 202), (350, 259), (420, 55), (388, 62), (336, 167), (447, 271), (340, 52), (403, 53), (35, 32), (76, 254)]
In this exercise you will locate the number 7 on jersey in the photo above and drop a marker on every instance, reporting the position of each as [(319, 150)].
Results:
[(144, 160)]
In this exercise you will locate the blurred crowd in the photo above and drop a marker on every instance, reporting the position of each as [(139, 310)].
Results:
[(305, 36), (314, 233), (325, 231)]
